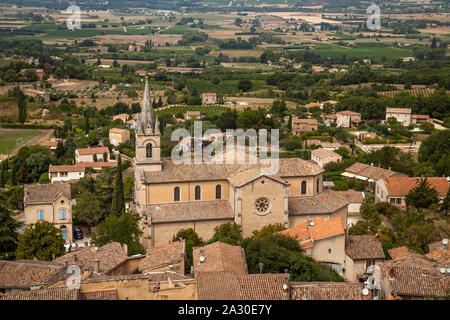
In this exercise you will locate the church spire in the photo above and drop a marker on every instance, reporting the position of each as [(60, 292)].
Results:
[(147, 119)]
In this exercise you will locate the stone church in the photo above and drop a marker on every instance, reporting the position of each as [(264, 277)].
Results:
[(171, 197)]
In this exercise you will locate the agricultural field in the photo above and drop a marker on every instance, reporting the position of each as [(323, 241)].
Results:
[(174, 110), (10, 139)]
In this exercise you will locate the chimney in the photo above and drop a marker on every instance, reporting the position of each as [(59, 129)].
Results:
[(96, 265), (125, 248), (75, 258), (378, 237)]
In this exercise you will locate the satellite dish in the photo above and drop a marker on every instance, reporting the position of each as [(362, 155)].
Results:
[(202, 258), (445, 242), (442, 270), (285, 286), (311, 223), (365, 291), (448, 270)]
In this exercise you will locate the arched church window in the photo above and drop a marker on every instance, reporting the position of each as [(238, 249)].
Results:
[(303, 191), (176, 194), (149, 150), (218, 191), (198, 192)]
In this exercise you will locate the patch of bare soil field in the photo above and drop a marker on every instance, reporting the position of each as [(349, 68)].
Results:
[(443, 30), (237, 53), (121, 39), (421, 16), (310, 17), (73, 84), (162, 39), (110, 61)]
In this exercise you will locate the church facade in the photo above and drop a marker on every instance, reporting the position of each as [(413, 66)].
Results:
[(171, 197)]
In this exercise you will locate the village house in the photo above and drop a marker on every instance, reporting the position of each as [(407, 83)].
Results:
[(355, 199), (123, 117), (331, 146), (303, 125), (70, 173), (402, 115), (118, 136), (25, 275), (329, 119), (420, 118), (348, 119), (52, 144), (323, 240), (395, 189), (49, 202), (92, 154), (209, 98), (193, 114), (312, 105), (220, 256), (170, 256), (323, 156), (170, 196), (362, 251), (369, 173), (96, 260), (412, 276)]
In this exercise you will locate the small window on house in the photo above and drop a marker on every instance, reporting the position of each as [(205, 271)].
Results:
[(149, 150), (303, 187), (40, 215), (398, 200), (218, 191), (62, 214), (318, 185), (176, 194), (329, 250), (392, 200), (198, 192)]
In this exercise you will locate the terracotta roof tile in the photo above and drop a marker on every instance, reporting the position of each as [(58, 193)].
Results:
[(45, 294), (321, 229), (324, 153), (325, 202), (372, 172), (109, 256), (171, 172), (72, 168), (163, 255), (363, 247), (220, 256), (88, 151), (398, 110), (230, 286), (398, 252), (328, 291), (348, 113), (352, 196), (45, 193), (400, 186), (23, 274)]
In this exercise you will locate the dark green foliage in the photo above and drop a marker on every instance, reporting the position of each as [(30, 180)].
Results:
[(118, 201), (41, 240), (229, 233), (422, 195), (123, 229), (8, 230), (192, 240)]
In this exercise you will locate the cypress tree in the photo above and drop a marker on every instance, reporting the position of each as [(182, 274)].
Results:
[(2, 175), (22, 106), (86, 124), (13, 174), (118, 202)]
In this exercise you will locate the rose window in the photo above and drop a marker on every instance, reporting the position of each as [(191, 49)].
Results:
[(262, 205)]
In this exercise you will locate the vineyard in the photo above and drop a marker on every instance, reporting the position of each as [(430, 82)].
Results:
[(206, 110), (426, 92)]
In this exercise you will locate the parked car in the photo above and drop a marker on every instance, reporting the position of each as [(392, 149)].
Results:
[(78, 234)]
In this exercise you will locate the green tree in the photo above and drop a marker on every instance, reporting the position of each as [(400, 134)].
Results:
[(3, 173), (22, 107), (245, 85), (192, 240), (423, 195), (436, 150), (228, 232), (41, 240), (123, 229), (118, 201), (446, 202), (87, 211), (8, 230)]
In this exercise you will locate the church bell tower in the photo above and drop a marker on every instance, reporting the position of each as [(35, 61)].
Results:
[(148, 137)]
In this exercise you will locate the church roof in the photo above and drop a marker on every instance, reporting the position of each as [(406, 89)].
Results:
[(171, 172)]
